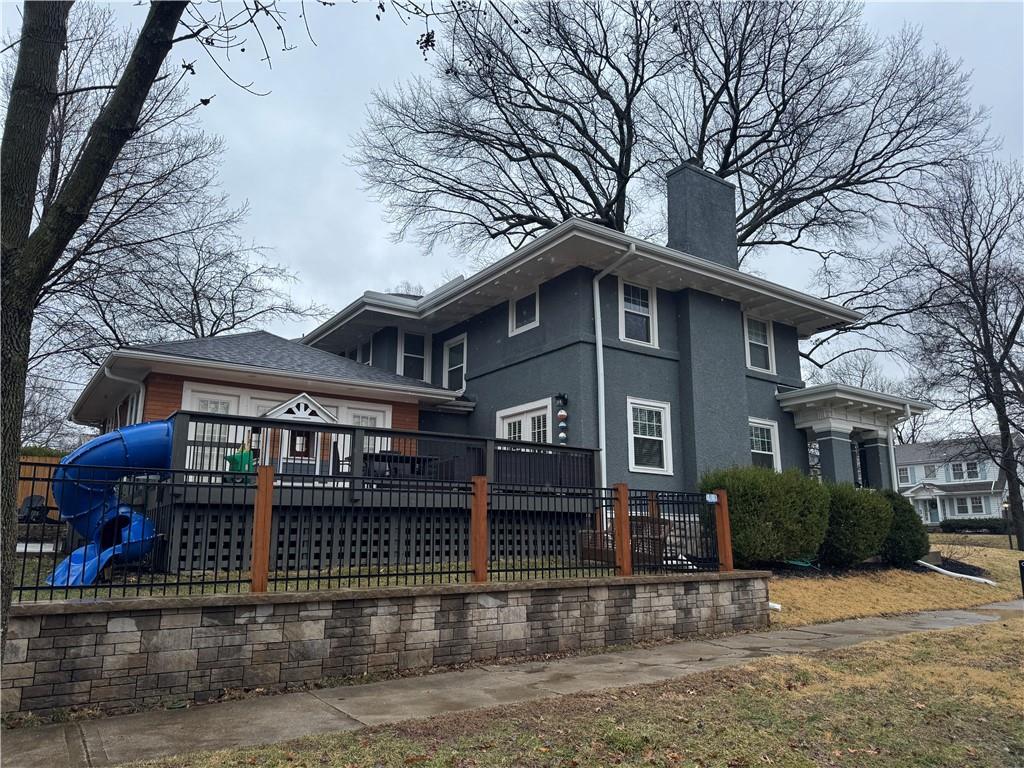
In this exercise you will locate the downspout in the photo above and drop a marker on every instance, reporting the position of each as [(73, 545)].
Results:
[(140, 403), (602, 440)]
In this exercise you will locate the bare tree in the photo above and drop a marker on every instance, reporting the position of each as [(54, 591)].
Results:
[(962, 254), (532, 118), (44, 423), (36, 240), (548, 110)]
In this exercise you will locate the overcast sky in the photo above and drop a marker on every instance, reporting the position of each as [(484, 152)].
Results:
[(286, 152)]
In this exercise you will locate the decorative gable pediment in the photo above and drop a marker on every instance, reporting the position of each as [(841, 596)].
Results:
[(302, 408)]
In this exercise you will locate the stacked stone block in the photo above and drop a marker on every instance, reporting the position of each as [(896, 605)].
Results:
[(67, 655)]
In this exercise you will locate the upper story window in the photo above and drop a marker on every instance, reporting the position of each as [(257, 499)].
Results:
[(412, 357), (930, 471), (973, 472), (455, 363), (904, 475), (958, 470), (530, 421), (366, 352), (524, 313), (764, 444), (650, 436), (760, 345), (638, 314)]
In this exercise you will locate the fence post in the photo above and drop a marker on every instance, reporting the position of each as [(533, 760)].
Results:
[(259, 564), (723, 534), (623, 543), (479, 541)]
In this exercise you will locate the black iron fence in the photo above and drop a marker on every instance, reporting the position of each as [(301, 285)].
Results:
[(96, 532), (673, 531), (230, 444)]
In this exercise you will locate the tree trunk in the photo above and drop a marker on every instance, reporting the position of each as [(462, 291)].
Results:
[(28, 259), (1009, 466)]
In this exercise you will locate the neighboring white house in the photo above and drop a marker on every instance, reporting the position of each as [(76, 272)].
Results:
[(950, 479)]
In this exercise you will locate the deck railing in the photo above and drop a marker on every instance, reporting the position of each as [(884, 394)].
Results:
[(187, 531), (214, 442)]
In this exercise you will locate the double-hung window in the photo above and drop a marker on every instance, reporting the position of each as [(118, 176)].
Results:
[(650, 436), (958, 470), (972, 470), (904, 475), (930, 471), (977, 505), (455, 363), (413, 357), (524, 313), (962, 507), (760, 347), (638, 314), (764, 444)]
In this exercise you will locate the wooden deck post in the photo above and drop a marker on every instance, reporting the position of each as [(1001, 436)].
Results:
[(722, 531), (623, 543), (479, 541), (259, 564)]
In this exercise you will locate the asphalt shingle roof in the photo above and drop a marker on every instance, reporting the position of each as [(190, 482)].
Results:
[(265, 350), (940, 451)]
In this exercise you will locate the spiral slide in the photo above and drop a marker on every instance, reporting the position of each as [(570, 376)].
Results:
[(84, 487)]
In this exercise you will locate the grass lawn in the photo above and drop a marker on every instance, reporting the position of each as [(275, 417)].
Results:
[(973, 539), (931, 699), (813, 598)]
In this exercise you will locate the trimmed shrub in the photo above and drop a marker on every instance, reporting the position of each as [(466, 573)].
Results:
[(858, 522), (975, 525), (907, 541), (773, 517)]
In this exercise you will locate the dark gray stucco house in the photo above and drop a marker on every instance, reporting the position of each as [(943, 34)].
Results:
[(667, 358)]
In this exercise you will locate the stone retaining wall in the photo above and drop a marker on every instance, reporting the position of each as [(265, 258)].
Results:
[(120, 654)]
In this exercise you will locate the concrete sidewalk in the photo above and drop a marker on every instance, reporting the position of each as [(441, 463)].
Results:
[(268, 719)]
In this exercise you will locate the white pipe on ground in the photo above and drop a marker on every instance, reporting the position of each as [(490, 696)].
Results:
[(774, 607), (944, 572)]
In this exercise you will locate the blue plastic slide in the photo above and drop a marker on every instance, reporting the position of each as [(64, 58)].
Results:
[(84, 487)]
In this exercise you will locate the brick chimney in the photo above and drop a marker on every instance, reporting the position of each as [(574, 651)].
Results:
[(702, 214)]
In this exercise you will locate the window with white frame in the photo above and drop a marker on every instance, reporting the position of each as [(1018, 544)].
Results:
[(366, 352), (637, 314), (977, 505), (455, 363), (530, 421), (764, 444), (524, 313), (413, 356), (958, 470), (760, 346), (972, 470), (904, 475), (962, 507), (930, 471), (650, 436)]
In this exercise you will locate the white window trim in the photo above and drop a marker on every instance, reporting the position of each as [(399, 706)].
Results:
[(400, 364), (776, 448), (900, 471), (652, 293), (512, 330), (515, 410), (248, 399), (977, 470), (359, 352), (454, 341), (666, 431), (771, 343)]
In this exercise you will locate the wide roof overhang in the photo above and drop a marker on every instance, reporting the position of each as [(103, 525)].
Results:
[(572, 244), (840, 407), (124, 369)]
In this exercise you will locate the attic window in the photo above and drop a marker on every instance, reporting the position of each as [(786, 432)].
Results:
[(523, 313)]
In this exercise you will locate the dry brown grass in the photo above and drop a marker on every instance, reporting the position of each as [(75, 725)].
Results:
[(811, 600)]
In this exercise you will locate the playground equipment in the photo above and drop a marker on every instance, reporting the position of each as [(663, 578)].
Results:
[(84, 487)]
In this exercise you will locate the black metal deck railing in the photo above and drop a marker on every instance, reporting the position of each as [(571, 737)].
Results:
[(213, 442)]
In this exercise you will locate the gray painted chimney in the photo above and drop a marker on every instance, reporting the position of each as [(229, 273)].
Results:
[(702, 214)]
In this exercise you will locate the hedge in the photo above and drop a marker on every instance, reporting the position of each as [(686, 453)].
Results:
[(907, 541), (773, 516), (977, 524), (858, 522)]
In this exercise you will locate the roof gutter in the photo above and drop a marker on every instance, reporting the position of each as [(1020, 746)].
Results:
[(140, 403), (602, 437)]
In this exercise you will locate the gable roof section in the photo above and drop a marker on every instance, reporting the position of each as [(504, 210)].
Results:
[(944, 451), (580, 243)]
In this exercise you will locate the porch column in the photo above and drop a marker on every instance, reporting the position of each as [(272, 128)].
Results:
[(836, 456), (875, 464)]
